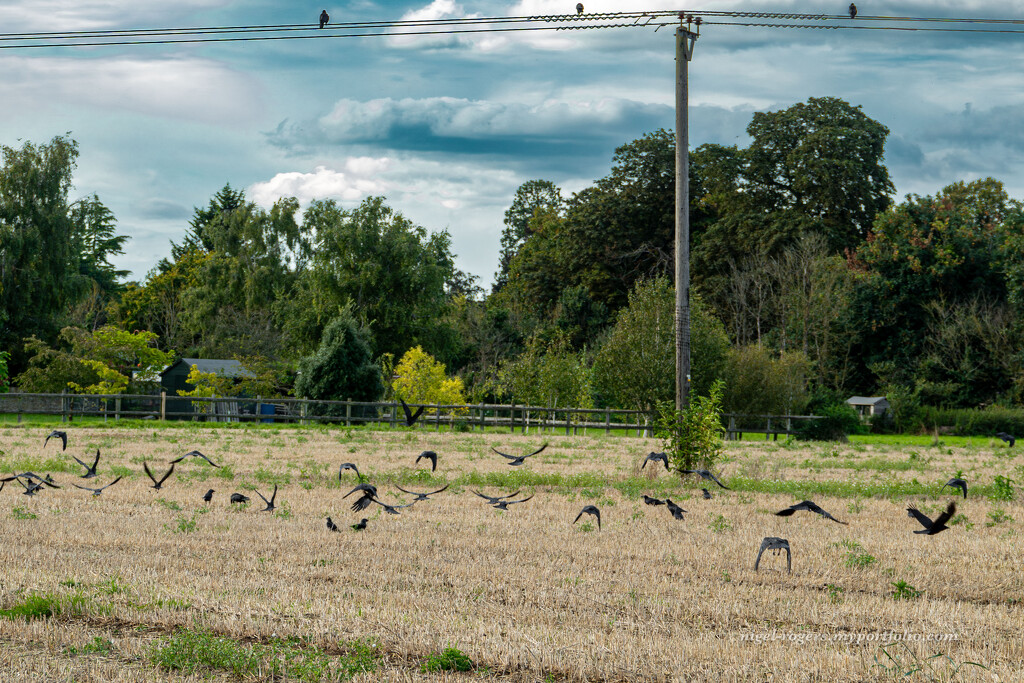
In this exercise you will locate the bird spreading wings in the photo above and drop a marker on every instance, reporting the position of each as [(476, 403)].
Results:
[(423, 496), (957, 482), (349, 466), (63, 436), (494, 500), (705, 474), (157, 484), (369, 493), (518, 459), (1008, 438), (410, 416), (777, 545), (90, 471), (503, 505), (194, 454), (391, 509), (270, 503), (590, 510), (431, 456), (96, 492), (808, 505), (931, 528), (656, 457)]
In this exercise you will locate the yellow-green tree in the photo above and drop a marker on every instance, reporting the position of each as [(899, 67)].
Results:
[(207, 384), (420, 378)]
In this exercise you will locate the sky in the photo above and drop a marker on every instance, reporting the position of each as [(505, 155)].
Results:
[(447, 128)]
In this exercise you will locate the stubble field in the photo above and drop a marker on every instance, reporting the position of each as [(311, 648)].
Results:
[(145, 585)]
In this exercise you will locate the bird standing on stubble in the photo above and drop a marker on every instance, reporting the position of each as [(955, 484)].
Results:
[(208, 496), (331, 526), (590, 510), (361, 525), (676, 511), (238, 498), (653, 501)]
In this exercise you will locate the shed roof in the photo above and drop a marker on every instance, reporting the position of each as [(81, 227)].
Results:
[(219, 366), (866, 400)]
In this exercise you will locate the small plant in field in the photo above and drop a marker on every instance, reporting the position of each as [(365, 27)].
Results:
[(719, 524), (856, 507), (904, 591), (34, 606), (18, 512), (97, 646), (961, 518), (585, 527), (693, 437), (451, 659), (169, 504), (283, 511), (901, 663), (183, 524), (835, 593), (998, 516), (855, 557), (1002, 488)]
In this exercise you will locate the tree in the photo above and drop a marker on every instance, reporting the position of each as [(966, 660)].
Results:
[(533, 195), (419, 378), (547, 374), (342, 367), (759, 381), (95, 241)]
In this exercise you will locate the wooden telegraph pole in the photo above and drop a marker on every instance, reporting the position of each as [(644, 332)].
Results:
[(685, 39)]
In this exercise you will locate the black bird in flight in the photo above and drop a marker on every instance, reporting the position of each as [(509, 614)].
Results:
[(957, 482), (656, 457), (96, 492), (1008, 438), (423, 496), (324, 18), (653, 501), (349, 466), (503, 505), (392, 509), (331, 526), (931, 528), (157, 484), (590, 510), (31, 488), (707, 494), (194, 454), (361, 525), (63, 436), (431, 456), (810, 507), (239, 498), (34, 479), (90, 472), (518, 459), (706, 474), (494, 500), (369, 493), (208, 496), (853, 11), (270, 503), (579, 8), (411, 417), (777, 545), (676, 511)]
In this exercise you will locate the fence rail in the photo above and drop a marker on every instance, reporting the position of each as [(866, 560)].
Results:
[(306, 411)]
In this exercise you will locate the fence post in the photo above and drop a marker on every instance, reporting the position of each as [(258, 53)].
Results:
[(607, 420), (568, 420), (483, 418), (393, 415), (437, 417), (163, 405), (732, 428), (348, 412), (302, 412), (117, 408), (768, 430), (63, 405)]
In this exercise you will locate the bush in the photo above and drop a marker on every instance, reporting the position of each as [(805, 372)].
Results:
[(837, 421), (693, 436), (973, 422), (342, 367)]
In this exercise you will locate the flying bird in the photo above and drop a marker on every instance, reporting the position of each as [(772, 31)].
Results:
[(90, 472), (239, 498), (324, 18), (34, 478), (853, 11), (810, 507), (423, 496), (331, 526), (208, 496), (707, 494), (194, 454), (349, 466), (579, 8), (776, 545), (63, 436), (503, 505), (431, 456), (520, 459), (369, 493), (656, 457), (653, 501), (361, 525), (411, 417), (270, 503), (96, 492), (157, 484), (676, 511), (1008, 438), (494, 500), (931, 528), (590, 510), (705, 474), (392, 509), (957, 482)]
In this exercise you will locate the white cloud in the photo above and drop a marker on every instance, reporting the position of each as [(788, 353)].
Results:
[(357, 181), (85, 15)]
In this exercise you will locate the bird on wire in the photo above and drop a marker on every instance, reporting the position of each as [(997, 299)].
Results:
[(931, 527), (676, 511), (494, 500), (361, 525), (431, 456), (194, 454), (331, 526), (503, 505), (518, 459), (157, 484), (90, 472), (590, 510), (423, 496), (96, 492), (776, 545), (653, 501), (63, 436), (270, 503), (656, 457), (1008, 438), (239, 498), (706, 474), (324, 18), (853, 11), (957, 482), (369, 493), (579, 8), (392, 509), (410, 416), (808, 505), (707, 494), (349, 466), (208, 496)]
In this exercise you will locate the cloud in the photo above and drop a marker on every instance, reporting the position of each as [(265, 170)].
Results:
[(79, 15), (357, 181)]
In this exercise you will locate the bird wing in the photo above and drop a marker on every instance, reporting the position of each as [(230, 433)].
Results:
[(536, 451), (505, 455), (160, 483), (579, 515), (437, 491), (177, 460), (261, 496), (646, 460), (510, 502), (712, 475), (145, 466), (95, 462), (408, 413), (945, 516), (787, 512), (90, 468), (63, 440), (86, 488), (206, 459), (111, 483), (925, 521)]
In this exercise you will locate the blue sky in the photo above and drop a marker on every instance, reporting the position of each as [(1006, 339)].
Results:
[(448, 128)]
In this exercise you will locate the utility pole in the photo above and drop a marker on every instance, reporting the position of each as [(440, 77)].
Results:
[(685, 39)]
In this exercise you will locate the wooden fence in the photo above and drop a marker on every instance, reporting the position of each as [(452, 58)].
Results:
[(306, 411)]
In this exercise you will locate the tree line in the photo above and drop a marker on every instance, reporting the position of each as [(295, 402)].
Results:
[(810, 283)]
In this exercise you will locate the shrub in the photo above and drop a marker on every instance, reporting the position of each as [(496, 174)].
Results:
[(451, 659), (837, 421), (693, 436)]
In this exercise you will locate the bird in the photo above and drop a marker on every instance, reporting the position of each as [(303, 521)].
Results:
[(63, 436), (676, 511), (194, 454), (810, 507), (270, 503), (520, 459), (656, 457), (1008, 438), (331, 526), (31, 488), (957, 482), (349, 466), (391, 509), (33, 478), (324, 18), (157, 484), (361, 525), (90, 472), (208, 496), (590, 510), (853, 11), (431, 456), (931, 528), (653, 501), (707, 494), (96, 492), (776, 544), (503, 505), (423, 496), (494, 500), (705, 474), (239, 498), (579, 8), (369, 493), (411, 417)]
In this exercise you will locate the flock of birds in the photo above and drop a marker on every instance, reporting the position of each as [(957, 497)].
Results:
[(368, 493)]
